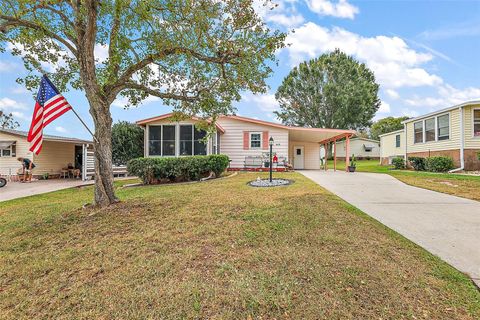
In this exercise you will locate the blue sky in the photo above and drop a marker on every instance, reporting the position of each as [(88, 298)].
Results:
[(425, 56)]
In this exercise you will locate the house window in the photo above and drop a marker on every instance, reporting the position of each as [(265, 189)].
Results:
[(430, 130), (476, 123), (255, 140), (186, 138), (418, 132), (443, 123), (397, 141), (155, 140), (168, 140), (199, 146)]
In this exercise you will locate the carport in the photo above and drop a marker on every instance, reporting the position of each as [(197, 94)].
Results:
[(303, 138)]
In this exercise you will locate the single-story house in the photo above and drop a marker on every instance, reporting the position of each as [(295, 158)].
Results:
[(361, 147), (244, 140), (392, 145), (452, 132), (57, 152)]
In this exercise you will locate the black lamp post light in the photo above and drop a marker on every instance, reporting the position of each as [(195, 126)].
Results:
[(270, 182)]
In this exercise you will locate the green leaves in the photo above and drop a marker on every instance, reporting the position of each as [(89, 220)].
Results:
[(332, 91), (385, 125)]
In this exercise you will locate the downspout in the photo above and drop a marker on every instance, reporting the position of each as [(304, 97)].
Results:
[(406, 143), (462, 143)]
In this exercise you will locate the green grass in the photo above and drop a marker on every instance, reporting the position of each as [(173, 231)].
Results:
[(218, 250), (461, 185)]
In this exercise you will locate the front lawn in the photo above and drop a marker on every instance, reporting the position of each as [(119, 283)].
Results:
[(461, 185), (218, 249)]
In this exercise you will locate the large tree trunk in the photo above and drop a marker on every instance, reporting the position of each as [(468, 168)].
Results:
[(104, 191)]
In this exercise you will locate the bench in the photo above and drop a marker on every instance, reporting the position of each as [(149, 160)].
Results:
[(253, 162)]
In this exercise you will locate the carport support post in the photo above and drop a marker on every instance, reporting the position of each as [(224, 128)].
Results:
[(347, 153), (326, 156), (335, 155)]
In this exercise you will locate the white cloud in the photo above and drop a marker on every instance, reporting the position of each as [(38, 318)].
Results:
[(265, 102), (60, 129), (384, 107), (339, 9), (392, 93), (101, 53), (279, 12), (446, 96), (10, 104), (394, 63), (6, 66)]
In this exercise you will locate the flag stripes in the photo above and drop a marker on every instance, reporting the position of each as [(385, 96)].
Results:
[(49, 106)]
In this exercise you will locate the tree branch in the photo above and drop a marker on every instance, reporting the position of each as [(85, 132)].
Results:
[(182, 97), (128, 73), (16, 22)]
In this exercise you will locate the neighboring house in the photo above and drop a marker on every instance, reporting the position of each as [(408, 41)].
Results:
[(240, 138), (452, 132), (392, 145), (56, 153), (361, 147)]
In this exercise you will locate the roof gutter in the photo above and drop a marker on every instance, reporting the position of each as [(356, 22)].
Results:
[(462, 142)]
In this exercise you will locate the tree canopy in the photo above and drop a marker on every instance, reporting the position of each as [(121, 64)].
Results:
[(332, 91), (386, 125), (127, 142), (197, 56), (7, 121)]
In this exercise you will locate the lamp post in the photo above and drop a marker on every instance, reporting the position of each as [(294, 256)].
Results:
[(270, 143)]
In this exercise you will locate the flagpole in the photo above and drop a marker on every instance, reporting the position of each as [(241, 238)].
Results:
[(84, 124)]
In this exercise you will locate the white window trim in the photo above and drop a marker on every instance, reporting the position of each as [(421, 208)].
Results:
[(399, 140), (449, 126), (473, 123), (423, 132), (9, 148), (424, 135), (177, 140), (250, 140)]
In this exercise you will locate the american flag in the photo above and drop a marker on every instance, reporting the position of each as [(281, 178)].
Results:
[(49, 106)]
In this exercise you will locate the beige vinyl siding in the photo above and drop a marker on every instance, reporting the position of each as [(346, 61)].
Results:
[(451, 144), (471, 142), (53, 157), (388, 145), (356, 148), (311, 153), (10, 165), (231, 142)]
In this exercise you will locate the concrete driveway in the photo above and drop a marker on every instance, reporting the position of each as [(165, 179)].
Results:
[(14, 190), (445, 225)]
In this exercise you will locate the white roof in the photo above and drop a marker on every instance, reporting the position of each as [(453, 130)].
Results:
[(461, 105), (390, 133)]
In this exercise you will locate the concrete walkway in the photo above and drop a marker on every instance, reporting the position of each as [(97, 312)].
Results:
[(14, 190), (445, 225)]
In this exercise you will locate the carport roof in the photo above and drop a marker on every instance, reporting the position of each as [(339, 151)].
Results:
[(320, 135), (46, 137)]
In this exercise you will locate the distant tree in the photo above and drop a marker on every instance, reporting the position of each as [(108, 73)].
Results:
[(196, 56), (127, 142), (7, 121), (332, 91), (386, 125)]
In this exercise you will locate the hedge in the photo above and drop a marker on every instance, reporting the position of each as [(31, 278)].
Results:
[(398, 163), (153, 170), (418, 163), (439, 164)]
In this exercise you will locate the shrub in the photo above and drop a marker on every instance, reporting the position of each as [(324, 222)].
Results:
[(478, 155), (439, 164), (418, 163), (152, 170), (398, 163)]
